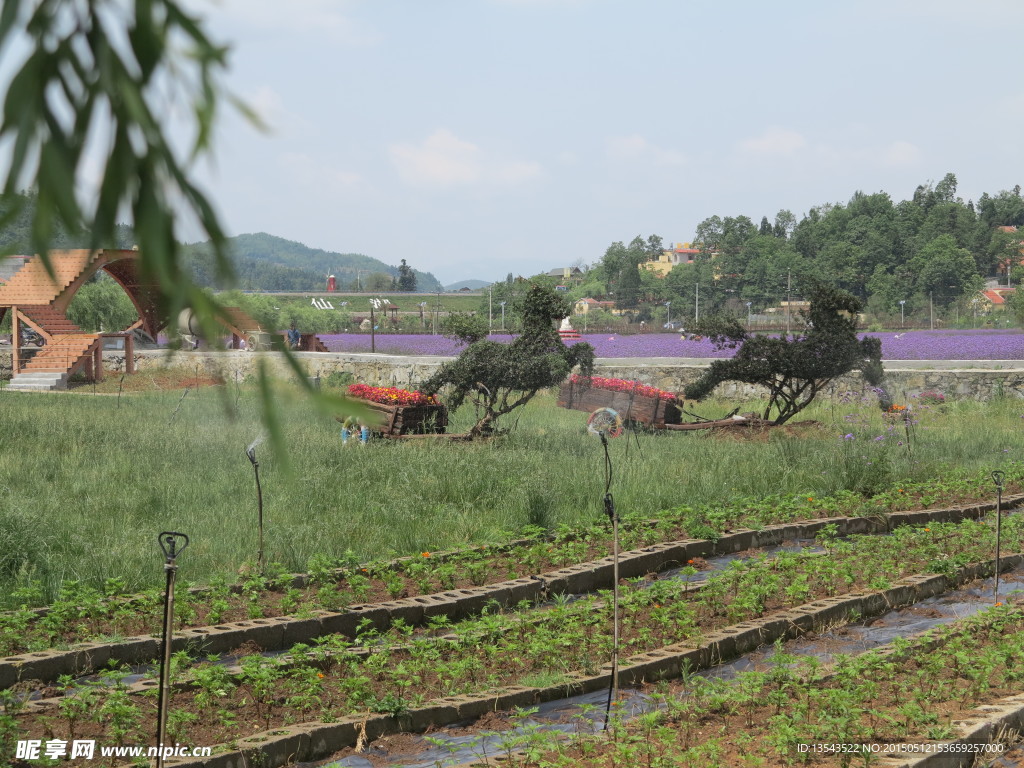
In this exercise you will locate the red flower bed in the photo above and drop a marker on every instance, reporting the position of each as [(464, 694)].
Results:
[(622, 385), (390, 395)]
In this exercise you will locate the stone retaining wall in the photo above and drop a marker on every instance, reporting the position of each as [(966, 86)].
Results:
[(981, 381)]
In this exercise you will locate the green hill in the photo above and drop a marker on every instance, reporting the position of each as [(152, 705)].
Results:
[(473, 285), (269, 263), (262, 262)]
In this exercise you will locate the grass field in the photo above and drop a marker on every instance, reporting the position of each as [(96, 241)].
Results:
[(88, 481)]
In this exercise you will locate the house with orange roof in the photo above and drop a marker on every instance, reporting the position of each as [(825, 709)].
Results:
[(993, 299), (679, 253)]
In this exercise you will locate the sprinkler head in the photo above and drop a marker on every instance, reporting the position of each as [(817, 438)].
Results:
[(997, 478), (251, 453)]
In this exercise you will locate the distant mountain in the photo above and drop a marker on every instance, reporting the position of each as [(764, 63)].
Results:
[(269, 263), (473, 285)]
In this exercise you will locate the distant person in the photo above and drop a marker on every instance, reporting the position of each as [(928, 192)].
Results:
[(294, 337)]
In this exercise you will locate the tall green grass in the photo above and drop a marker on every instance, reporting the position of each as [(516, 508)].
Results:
[(86, 485)]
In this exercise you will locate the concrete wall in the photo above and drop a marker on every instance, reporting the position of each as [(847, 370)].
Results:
[(980, 380)]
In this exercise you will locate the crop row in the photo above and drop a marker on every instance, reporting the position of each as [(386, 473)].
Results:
[(894, 698), (82, 613), (400, 670), (279, 633)]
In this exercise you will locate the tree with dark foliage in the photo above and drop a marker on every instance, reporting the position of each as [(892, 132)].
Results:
[(406, 278), (795, 369), (498, 378)]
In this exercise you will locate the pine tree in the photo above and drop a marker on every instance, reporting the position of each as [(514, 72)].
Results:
[(406, 278)]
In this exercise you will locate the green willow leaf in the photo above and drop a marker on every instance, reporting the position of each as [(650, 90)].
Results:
[(81, 79)]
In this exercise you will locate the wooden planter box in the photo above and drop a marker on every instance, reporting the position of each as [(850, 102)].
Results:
[(652, 411), (408, 419)]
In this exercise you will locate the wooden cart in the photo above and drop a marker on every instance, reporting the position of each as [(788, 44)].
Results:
[(402, 420), (654, 412)]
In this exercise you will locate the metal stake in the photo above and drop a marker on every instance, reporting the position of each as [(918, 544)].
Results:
[(169, 541), (251, 453), (613, 692), (997, 478), (609, 509)]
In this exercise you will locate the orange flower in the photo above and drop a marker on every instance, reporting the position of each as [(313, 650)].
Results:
[(927, 529), (320, 675), (425, 554), (810, 498)]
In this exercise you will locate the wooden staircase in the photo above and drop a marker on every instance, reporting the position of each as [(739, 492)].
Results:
[(33, 292), (32, 285), (53, 364), (49, 321)]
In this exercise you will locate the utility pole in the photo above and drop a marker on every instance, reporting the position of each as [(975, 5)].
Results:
[(789, 297), (696, 304), (490, 305), (931, 312)]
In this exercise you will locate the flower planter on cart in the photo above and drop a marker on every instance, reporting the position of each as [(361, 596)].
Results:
[(398, 420), (655, 412)]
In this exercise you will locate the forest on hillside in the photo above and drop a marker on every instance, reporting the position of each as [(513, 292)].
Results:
[(933, 249)]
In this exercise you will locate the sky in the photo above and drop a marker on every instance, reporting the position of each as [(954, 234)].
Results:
[(474, 138)]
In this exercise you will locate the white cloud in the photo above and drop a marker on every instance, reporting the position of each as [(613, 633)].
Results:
[(773, 142), (1010, 106), (268, 106), (445, 160), (312, 173), (636, 148), (791, 147), (323, 17), (901, 153)]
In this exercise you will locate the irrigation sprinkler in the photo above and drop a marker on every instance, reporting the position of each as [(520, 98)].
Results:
[(251, 453), (169, 543), (997, 478), (606, 423)]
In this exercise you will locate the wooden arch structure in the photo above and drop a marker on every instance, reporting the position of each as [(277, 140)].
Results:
[(40, 300)]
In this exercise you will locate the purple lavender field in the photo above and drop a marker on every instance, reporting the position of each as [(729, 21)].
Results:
[(911, 345)]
